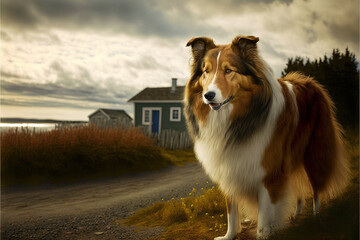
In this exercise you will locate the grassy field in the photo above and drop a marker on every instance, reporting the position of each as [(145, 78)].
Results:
[(69, 154), (202, 215)]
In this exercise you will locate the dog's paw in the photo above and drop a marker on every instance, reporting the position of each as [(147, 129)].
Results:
[(223, 238), (263, 233)]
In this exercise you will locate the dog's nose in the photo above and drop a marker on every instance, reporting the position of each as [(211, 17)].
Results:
[(209, 95)]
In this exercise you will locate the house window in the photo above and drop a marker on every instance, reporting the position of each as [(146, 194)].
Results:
[(146, 116), (175, 114)]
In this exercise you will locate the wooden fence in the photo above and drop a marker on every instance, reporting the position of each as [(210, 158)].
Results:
[(112, 123), (168, 139), (69, 124)]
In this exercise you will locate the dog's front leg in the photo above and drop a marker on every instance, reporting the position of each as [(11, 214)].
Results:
[(266, 214), (232, 220), (271, 214)]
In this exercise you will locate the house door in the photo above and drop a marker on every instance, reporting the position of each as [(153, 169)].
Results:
[(155, 121)]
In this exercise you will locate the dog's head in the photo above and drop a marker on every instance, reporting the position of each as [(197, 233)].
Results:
[(229, 74)]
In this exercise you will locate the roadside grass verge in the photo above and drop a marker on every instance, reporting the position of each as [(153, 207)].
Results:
[(179, 157), (198, 216), (69, 154), (203, 214)]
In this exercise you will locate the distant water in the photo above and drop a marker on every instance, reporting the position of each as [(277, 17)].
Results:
[(38, 127)]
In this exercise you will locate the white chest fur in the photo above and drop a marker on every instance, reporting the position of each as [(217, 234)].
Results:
[(237, 169)]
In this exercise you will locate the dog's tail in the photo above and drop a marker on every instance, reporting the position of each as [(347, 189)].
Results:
[(325, 160)]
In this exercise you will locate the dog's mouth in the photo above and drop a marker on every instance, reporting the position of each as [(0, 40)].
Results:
[(217, 106)]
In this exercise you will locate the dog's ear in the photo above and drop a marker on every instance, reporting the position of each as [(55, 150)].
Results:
[(245, 45), (200, 46)]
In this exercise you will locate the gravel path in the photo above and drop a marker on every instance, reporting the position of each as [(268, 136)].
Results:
[(92, 209)]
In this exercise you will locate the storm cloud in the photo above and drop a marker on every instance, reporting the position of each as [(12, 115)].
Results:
[(149, 18), (68, 90), (99, 53)]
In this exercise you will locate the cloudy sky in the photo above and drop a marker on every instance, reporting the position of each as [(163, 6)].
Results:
[(63, 59)]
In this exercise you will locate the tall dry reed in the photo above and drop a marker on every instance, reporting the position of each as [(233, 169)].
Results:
[(82, 152)]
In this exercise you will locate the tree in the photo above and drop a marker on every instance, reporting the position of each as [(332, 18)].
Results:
[(339, 74)]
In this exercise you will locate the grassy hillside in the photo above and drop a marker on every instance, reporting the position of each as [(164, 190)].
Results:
[(202, 215)]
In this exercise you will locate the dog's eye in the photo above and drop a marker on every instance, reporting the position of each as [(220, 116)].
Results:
[(227, 71), (206, 70)]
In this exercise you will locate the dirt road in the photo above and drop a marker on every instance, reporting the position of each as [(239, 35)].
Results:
[(92, 209)]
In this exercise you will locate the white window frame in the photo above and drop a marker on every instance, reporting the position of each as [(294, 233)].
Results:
[(171, 114), (143, 116)]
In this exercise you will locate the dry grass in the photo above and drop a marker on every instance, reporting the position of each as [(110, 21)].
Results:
[(76, 153), (179, 157), (203, 216)]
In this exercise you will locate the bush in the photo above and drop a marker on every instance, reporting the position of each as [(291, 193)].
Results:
[(75, 153)]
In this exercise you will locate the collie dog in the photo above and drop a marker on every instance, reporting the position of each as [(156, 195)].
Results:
[(267, 143)]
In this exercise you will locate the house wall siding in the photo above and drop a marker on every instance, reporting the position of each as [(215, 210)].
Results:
[(165, 115), (97, 117)]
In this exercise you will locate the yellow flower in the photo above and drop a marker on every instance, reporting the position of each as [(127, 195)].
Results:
[(221, 215), (202, 188), (206, 214), (210, 229), (212, 217), (191, 205), (190, 193), (207, 182)]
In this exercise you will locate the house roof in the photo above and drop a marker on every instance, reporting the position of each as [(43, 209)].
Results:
[(112, 113), (159, 94)]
